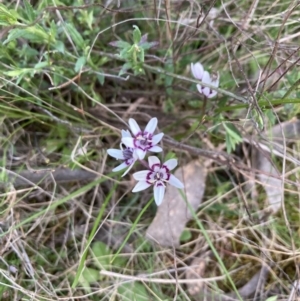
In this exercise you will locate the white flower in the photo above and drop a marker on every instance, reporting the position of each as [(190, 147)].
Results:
[(143, 141), (157, 175), (202, 75), (127, 154)]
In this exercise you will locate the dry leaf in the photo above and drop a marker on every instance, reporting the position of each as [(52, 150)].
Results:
[(196, 271), (273, 186), (173, 214), (289, 130)]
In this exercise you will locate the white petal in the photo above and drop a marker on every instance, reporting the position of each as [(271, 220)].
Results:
[(140, 153), (142, 185), (153, 160), (216, 81), (175, 182), (134, 155), (197, 70), (120, 167), (206, 78), (171, 164), (199, 87), (212, 94), (141, 175), (159, 192), (127, 170), (128, 141), (135, 129), (206, 91), (155, 149), (151, 126), (156, 138), (126, 134), (116, 153)]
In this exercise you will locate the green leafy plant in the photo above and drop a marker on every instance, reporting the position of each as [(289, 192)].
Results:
[(133, 54)]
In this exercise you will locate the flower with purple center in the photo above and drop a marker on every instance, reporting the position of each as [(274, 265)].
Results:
[(202, 75), (143, 141), (157, 175), (127, 155)]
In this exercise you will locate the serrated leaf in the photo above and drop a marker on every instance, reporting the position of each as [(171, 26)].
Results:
[(136, 34), (80, 63), (76, 36), (7, 17), (119, 44)]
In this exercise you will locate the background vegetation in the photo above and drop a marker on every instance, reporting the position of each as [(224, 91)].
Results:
[(72, 73)]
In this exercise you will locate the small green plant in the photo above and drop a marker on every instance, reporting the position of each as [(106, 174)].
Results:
[(133, 54)]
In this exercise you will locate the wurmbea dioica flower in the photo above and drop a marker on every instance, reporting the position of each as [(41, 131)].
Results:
[(143, 141), (158, 175), (126, 154), (134, 148), (202, 75)]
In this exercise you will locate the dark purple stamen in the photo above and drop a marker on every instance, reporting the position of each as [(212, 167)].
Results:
[(127, 153)]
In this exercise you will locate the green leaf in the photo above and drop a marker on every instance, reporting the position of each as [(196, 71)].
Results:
[(17, 72), (126, 52), (76, 36), (169, 79), (59, 46), (41, 65), (29, 11), (101, 254), (133, 291), (120, 44), (80, 63), (88, 277), (232, 137), (136, 34), (233, 131), (185, 236), (125, 67), (7, 17), (148, 45), (101, 78), (34, 34), (273, 298)]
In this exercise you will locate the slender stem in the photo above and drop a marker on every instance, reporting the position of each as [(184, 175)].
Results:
[(143, 162)]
